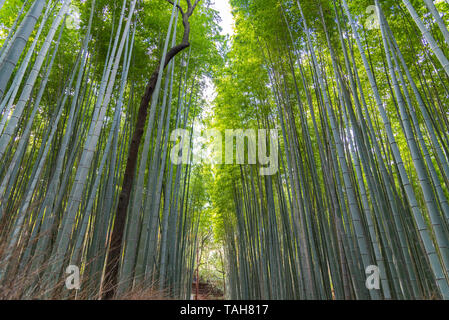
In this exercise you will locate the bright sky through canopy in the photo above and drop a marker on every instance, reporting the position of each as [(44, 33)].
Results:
[(227, 24), (224, 9)]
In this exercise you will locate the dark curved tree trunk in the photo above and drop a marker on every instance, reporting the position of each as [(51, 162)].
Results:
[(115, 248)]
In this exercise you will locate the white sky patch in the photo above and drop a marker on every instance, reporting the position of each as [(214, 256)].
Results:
[(73, 18), (227, 23)]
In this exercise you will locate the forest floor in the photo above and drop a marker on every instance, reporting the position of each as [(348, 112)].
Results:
[(206, 291)]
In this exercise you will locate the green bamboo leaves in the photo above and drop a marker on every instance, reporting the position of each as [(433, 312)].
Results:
[(86, 177), (358, 188)]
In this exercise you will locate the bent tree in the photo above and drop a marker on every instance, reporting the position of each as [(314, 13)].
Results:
[(115, 249)]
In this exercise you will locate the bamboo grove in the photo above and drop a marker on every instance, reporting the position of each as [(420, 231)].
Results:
[(91, 91), (67, 118), (358, 91)]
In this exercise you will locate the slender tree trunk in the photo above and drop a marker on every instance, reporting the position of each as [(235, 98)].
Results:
[(19, 43), (115, 249)]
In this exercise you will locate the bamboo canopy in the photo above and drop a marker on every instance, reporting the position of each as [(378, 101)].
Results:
[(93, 93)]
